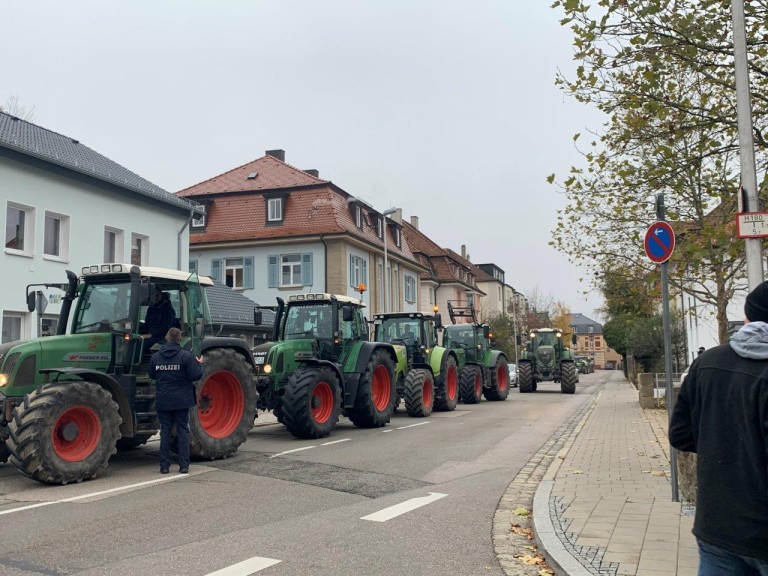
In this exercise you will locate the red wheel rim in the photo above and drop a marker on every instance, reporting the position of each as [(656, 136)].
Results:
[(426, 393), (478, 385), (502, 376), (76, 433), (380, 387), (221, 404), (322, 402), (451, 383)]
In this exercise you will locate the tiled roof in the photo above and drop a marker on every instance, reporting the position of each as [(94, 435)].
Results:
[(38, 142), (232, 308), (582, 324), (270, 174)]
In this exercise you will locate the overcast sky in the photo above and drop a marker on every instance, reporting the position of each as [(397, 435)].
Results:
[(445, 108)]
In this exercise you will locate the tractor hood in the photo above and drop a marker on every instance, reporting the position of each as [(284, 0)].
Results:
[(546, 356)]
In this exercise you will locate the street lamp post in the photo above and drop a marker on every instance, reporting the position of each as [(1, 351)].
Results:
[(386, 272)]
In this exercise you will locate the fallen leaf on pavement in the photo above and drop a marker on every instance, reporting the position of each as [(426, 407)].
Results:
[(576, 471), (658, 473), (522, 512), (527, 532), (531, 560), (546, 572)]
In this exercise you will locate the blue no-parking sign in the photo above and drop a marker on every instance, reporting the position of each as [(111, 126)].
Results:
[(659, 242)]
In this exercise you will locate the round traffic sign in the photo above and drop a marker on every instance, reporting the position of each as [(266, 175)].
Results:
[(659, 242)]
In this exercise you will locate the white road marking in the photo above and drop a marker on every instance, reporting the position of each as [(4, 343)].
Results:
[(390, 430), (403, 507), (291, 451), (93, 494), (412, 425), (335, 441), (246, 567)]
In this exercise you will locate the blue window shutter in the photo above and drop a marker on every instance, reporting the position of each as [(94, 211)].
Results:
[(272, 277), (306, 269), (364, 274), (248, 273), (216, 270), (352, 271)]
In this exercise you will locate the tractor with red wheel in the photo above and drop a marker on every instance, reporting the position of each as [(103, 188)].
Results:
[(321, 363), (485, 372), (430, 378), (69, 401)]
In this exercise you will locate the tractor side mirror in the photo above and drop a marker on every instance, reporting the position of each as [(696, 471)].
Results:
[(31, 298), (486, 331), (257, 317), (518, 340), (347, 313), (438, 321)]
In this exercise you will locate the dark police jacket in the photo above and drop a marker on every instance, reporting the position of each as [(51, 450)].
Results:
[(174, 371)]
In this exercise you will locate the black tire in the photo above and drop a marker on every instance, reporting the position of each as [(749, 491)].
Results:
[(226, 405), (4, 452), (447, 395), (471, 384), (64, 432), (525, 377), (419, 392), (278, 412), (499, 379), (568, 377), (312, 402), (375, 402), (125, 444)]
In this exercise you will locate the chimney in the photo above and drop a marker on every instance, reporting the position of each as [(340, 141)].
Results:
[(415, 222), (313, 172), (463, 250), (398, 216), (279, 154)]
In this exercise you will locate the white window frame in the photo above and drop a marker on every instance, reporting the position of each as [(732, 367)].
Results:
[(233, 266), (358, 217), (274, 210), (29, 229), (9, 315), (410, 288), (119, 244), (294, 267), (63, 239), (358, 276), (198, 222), (144, 249), (380, 228)]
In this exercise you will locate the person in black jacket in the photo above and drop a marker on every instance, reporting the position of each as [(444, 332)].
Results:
[(174, 371), (722, 416), (158, 320)]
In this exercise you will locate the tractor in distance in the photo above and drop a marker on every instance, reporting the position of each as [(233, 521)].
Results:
[(430, 378), (485, 372), (321, 363), (69, 401), (547, 358)]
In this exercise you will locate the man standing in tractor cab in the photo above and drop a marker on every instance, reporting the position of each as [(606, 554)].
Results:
[(174, 371), (159, 319)]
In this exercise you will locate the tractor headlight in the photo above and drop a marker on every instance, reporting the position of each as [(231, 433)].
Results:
[(267, 369), (3, 380)]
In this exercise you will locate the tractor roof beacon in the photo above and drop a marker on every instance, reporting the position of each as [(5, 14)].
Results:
[(485, 372), (547, 358), (321, 363), (95, 368), (428, 377)]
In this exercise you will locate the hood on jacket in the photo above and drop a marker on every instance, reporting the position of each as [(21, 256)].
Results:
[(170, 349), (751, 341)]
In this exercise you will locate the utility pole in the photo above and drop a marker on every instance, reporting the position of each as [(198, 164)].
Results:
[(748, 190)]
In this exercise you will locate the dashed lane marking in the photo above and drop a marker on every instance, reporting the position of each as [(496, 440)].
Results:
[(292, 451), (335, 441), (246, 567), (412, 425), (403, 507)]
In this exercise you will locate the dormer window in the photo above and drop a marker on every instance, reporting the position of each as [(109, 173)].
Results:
[(198, 222), (397, 237), (380, 228), (275, 210), (359, 217)]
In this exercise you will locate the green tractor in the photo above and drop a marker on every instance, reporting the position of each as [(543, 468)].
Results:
[(69, 401), (485, 372), (430, 378), (547, 358), (321, 363)]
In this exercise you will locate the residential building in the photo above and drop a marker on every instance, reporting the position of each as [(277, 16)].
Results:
[(272, 230), (591, 344), (232, 315), (490, 279), (67, 206)]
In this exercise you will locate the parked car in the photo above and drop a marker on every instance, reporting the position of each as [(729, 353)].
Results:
[(512, 375)]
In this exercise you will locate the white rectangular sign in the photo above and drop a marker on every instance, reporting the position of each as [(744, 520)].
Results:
[(752, 225)]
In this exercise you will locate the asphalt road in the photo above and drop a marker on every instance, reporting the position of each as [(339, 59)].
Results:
[(416, 497)]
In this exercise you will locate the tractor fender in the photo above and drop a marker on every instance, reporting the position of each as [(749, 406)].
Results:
[(493, 357), (236, 344), (351, 380), (315, 362), (437, 362), (111, 385)]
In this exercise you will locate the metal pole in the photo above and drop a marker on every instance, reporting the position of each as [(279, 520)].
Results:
[(753, 246), (668, 354), (514, 324), (386, 272)]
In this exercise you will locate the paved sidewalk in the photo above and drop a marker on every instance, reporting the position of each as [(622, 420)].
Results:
[(605, 504)]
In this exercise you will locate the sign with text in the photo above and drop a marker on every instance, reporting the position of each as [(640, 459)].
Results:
[(752, 225)]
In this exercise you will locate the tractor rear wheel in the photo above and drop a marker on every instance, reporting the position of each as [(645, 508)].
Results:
[(226, 405), (499, 389), (471, 384), (525, 377), (312, 402), (64, 432), (568, 377), (448, 395), (419, 392), (376, 394)]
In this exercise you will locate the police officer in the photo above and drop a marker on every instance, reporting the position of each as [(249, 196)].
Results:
[(174, 371)]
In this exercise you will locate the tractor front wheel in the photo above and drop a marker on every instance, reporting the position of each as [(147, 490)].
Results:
[(226, 405), (312, 402), (448, 394), (471, 384), (376, 393), (419, 393), (499, 389), (568, 377), (64, 432), (525, 377)]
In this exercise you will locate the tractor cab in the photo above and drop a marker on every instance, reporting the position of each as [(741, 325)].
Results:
[(414, 330)]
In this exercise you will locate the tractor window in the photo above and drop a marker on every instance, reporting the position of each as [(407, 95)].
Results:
[(102, 308), (459, 338), (312, 320), (546, 339)]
